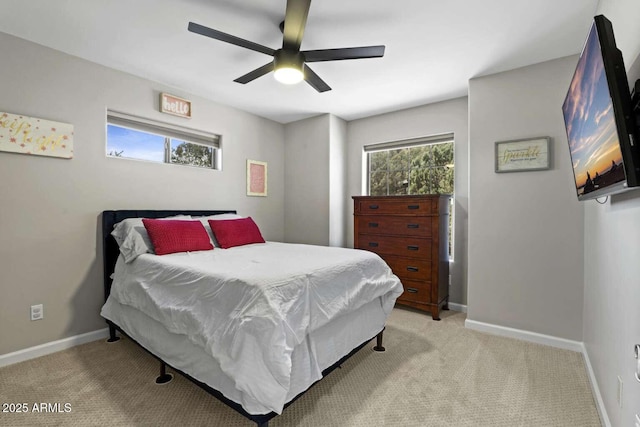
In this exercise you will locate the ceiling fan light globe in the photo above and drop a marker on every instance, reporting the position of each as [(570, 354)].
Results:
[(288, 75)]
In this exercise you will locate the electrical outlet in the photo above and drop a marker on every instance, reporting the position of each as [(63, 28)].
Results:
[(37, 312), (619, 391)]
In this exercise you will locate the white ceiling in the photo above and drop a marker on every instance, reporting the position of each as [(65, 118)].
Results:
[(433, 47)]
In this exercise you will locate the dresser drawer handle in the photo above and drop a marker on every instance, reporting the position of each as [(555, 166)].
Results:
[(414, 269), (412, 248), (412, 290), (413, 206), (373, 244), (373, 206), (413, 225), (373, 224)]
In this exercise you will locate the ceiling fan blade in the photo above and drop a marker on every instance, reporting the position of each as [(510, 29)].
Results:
[(228, 38), (295, 19), (258, 72), (344, 53), (314, 80)]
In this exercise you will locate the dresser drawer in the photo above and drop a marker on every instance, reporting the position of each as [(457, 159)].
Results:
[(399, 225), (408, 268), (411, 247), (415, 291), (400, 206)]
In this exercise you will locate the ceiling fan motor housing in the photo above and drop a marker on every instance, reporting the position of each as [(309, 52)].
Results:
[(288, 59)]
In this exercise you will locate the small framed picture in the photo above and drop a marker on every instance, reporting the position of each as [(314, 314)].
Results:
[(531, 154), (256, 178)]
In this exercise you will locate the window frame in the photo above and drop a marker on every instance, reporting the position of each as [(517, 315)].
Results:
[(403, 144), (170, 133)]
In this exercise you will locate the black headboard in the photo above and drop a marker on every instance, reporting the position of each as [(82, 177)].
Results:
[(110, 250)]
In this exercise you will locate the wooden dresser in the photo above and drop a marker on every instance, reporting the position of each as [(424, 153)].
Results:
[(411, 233)]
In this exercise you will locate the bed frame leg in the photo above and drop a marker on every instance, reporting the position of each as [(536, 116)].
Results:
[(164, 377), (378, 346), (112, 333)]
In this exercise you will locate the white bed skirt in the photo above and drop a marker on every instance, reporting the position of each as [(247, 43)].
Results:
[(322, 348)]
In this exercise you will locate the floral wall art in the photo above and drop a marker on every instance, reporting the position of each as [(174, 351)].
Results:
[(39, 137)]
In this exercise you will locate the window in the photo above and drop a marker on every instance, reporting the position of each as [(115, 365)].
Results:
[(416, 166), (411, 167), (142, 139)]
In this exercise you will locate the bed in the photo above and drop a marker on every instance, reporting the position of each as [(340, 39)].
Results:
[(255, 325)]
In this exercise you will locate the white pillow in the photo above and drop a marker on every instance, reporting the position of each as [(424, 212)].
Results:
[(205, 221), (132, 237)]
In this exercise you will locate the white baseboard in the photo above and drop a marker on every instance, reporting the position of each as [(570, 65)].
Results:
[(604, 417), (51, 347), (552, 341), (525, 335), (457, 307)]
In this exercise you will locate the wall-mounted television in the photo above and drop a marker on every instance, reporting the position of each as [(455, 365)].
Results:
[(599, 118)]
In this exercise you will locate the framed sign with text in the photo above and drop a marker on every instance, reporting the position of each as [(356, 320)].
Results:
[(35, 136), (171, 104), (531, 154)]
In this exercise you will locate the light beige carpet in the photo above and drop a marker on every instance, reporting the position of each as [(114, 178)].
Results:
[(432, 374)]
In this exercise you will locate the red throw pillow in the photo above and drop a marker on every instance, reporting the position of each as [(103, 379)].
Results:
[(170, 236), (236, 232)]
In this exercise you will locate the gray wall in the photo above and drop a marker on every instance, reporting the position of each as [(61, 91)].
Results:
[(612, 261), (315, 168), (525, 228), (49, 238), (433, 119), (337, 181), (307, 181)]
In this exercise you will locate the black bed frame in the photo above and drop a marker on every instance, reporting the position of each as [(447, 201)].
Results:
[(110, 255)]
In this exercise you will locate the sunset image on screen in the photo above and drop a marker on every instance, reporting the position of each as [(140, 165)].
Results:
[(590, 123)]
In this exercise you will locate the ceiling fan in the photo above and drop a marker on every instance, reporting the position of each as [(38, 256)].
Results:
[(290, 63)]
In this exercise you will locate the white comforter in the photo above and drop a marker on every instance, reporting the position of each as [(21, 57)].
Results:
[(249, 306)]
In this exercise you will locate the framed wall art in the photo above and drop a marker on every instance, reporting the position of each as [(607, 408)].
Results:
[(34, 136), (256, 178), (530, 154), (171, 104)]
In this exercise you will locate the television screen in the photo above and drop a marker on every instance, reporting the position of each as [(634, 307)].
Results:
[(596, 112)]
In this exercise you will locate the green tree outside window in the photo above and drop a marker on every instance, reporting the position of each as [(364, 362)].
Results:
[(423, 169), (187, 153)]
